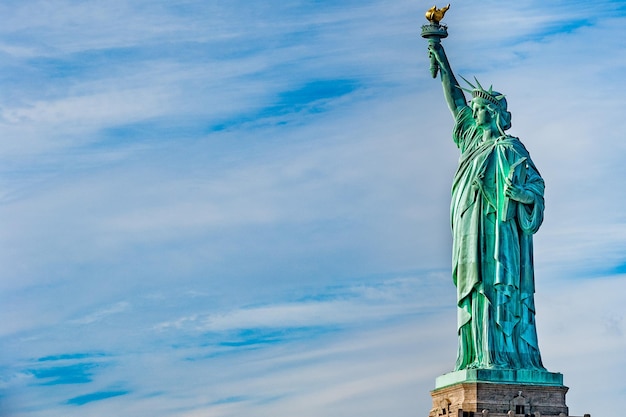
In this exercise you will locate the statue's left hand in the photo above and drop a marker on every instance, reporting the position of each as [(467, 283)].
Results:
[(518, 193)]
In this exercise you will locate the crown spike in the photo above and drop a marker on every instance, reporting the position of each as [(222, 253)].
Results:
[(491, 89), (465, 89), (478, 83), (470, 84)]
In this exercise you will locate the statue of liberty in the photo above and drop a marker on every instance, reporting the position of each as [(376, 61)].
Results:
[(497, 206)]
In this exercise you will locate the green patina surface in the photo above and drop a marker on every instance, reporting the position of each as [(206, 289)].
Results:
[(506, 376), (497, 206)]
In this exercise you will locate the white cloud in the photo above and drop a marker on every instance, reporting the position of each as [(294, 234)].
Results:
[(100, 314)]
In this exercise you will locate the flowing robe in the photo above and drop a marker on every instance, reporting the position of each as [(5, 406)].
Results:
[(492, 262)]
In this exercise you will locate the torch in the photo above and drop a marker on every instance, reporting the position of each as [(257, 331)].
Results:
[(435, 32)]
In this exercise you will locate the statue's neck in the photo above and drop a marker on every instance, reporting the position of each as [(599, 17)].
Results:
[(489, 134)]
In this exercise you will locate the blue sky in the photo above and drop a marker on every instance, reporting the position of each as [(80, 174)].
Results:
[(227, 208)]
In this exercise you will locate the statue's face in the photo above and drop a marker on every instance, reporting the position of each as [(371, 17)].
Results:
[(481, 113)]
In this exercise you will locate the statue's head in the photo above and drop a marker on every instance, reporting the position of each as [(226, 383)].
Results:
[(494, 102)]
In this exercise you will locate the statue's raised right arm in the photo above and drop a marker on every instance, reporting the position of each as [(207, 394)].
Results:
[(453, 93)]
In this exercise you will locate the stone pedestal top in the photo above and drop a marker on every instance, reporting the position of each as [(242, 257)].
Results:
[(506, 376)]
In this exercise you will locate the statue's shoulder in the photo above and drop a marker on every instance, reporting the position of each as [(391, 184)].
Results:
[(520, 149), (513, 143), (514, 140)]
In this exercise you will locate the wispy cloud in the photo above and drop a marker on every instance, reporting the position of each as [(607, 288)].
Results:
[(100, 314), (363, 304)]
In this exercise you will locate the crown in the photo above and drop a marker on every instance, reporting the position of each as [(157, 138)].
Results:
[(480, 92)]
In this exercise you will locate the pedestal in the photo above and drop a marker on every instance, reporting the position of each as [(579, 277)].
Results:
[(499, 393)]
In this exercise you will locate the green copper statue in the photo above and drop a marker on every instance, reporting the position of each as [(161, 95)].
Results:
[(497, 206)]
